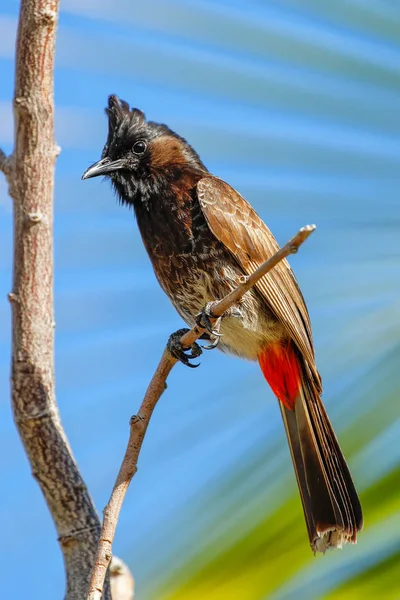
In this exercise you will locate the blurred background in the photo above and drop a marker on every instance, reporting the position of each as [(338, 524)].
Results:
[(296, 104)]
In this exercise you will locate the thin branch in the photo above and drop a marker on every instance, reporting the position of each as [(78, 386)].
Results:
[(30, 175), (140, 422)]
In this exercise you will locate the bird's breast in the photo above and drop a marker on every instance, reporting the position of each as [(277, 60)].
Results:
[(193, 268), (193, 281)]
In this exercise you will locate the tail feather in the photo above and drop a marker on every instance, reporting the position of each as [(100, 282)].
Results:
[(330, 502)]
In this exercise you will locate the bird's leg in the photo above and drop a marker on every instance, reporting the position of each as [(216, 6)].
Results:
[(181, 352), (203, 320)]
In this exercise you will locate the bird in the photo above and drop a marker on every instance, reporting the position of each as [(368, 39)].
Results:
[(203, 238)]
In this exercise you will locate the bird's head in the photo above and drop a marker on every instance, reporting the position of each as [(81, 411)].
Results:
[(139, 154)]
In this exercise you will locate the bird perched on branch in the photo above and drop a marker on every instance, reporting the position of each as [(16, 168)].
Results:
[(202, 238)]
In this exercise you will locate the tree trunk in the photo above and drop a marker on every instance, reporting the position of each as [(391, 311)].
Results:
[(30, 174)]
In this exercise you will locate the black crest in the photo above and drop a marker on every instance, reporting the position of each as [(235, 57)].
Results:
[(121, 119)]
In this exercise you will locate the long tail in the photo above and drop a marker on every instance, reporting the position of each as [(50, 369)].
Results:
[(330, 502)]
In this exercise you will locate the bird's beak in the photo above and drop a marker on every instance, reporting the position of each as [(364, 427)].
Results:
[(105, 166)]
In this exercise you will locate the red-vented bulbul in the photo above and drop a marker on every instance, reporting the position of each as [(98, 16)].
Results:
[(202, 237)]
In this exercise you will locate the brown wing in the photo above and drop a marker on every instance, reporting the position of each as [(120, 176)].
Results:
[(236, 224)]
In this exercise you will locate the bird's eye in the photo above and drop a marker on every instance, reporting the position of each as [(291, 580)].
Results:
[(139, 147)]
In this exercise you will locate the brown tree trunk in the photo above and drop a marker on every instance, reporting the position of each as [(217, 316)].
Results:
[(30, 174)]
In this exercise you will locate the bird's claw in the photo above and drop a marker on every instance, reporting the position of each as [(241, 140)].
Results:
[(203, 320), (213, 344), (181, 352)]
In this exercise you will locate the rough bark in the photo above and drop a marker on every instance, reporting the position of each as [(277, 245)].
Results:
[(30, 174)]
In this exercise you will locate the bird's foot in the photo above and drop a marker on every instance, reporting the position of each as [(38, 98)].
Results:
[(182, 353), (203, 319), (213, 334)]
